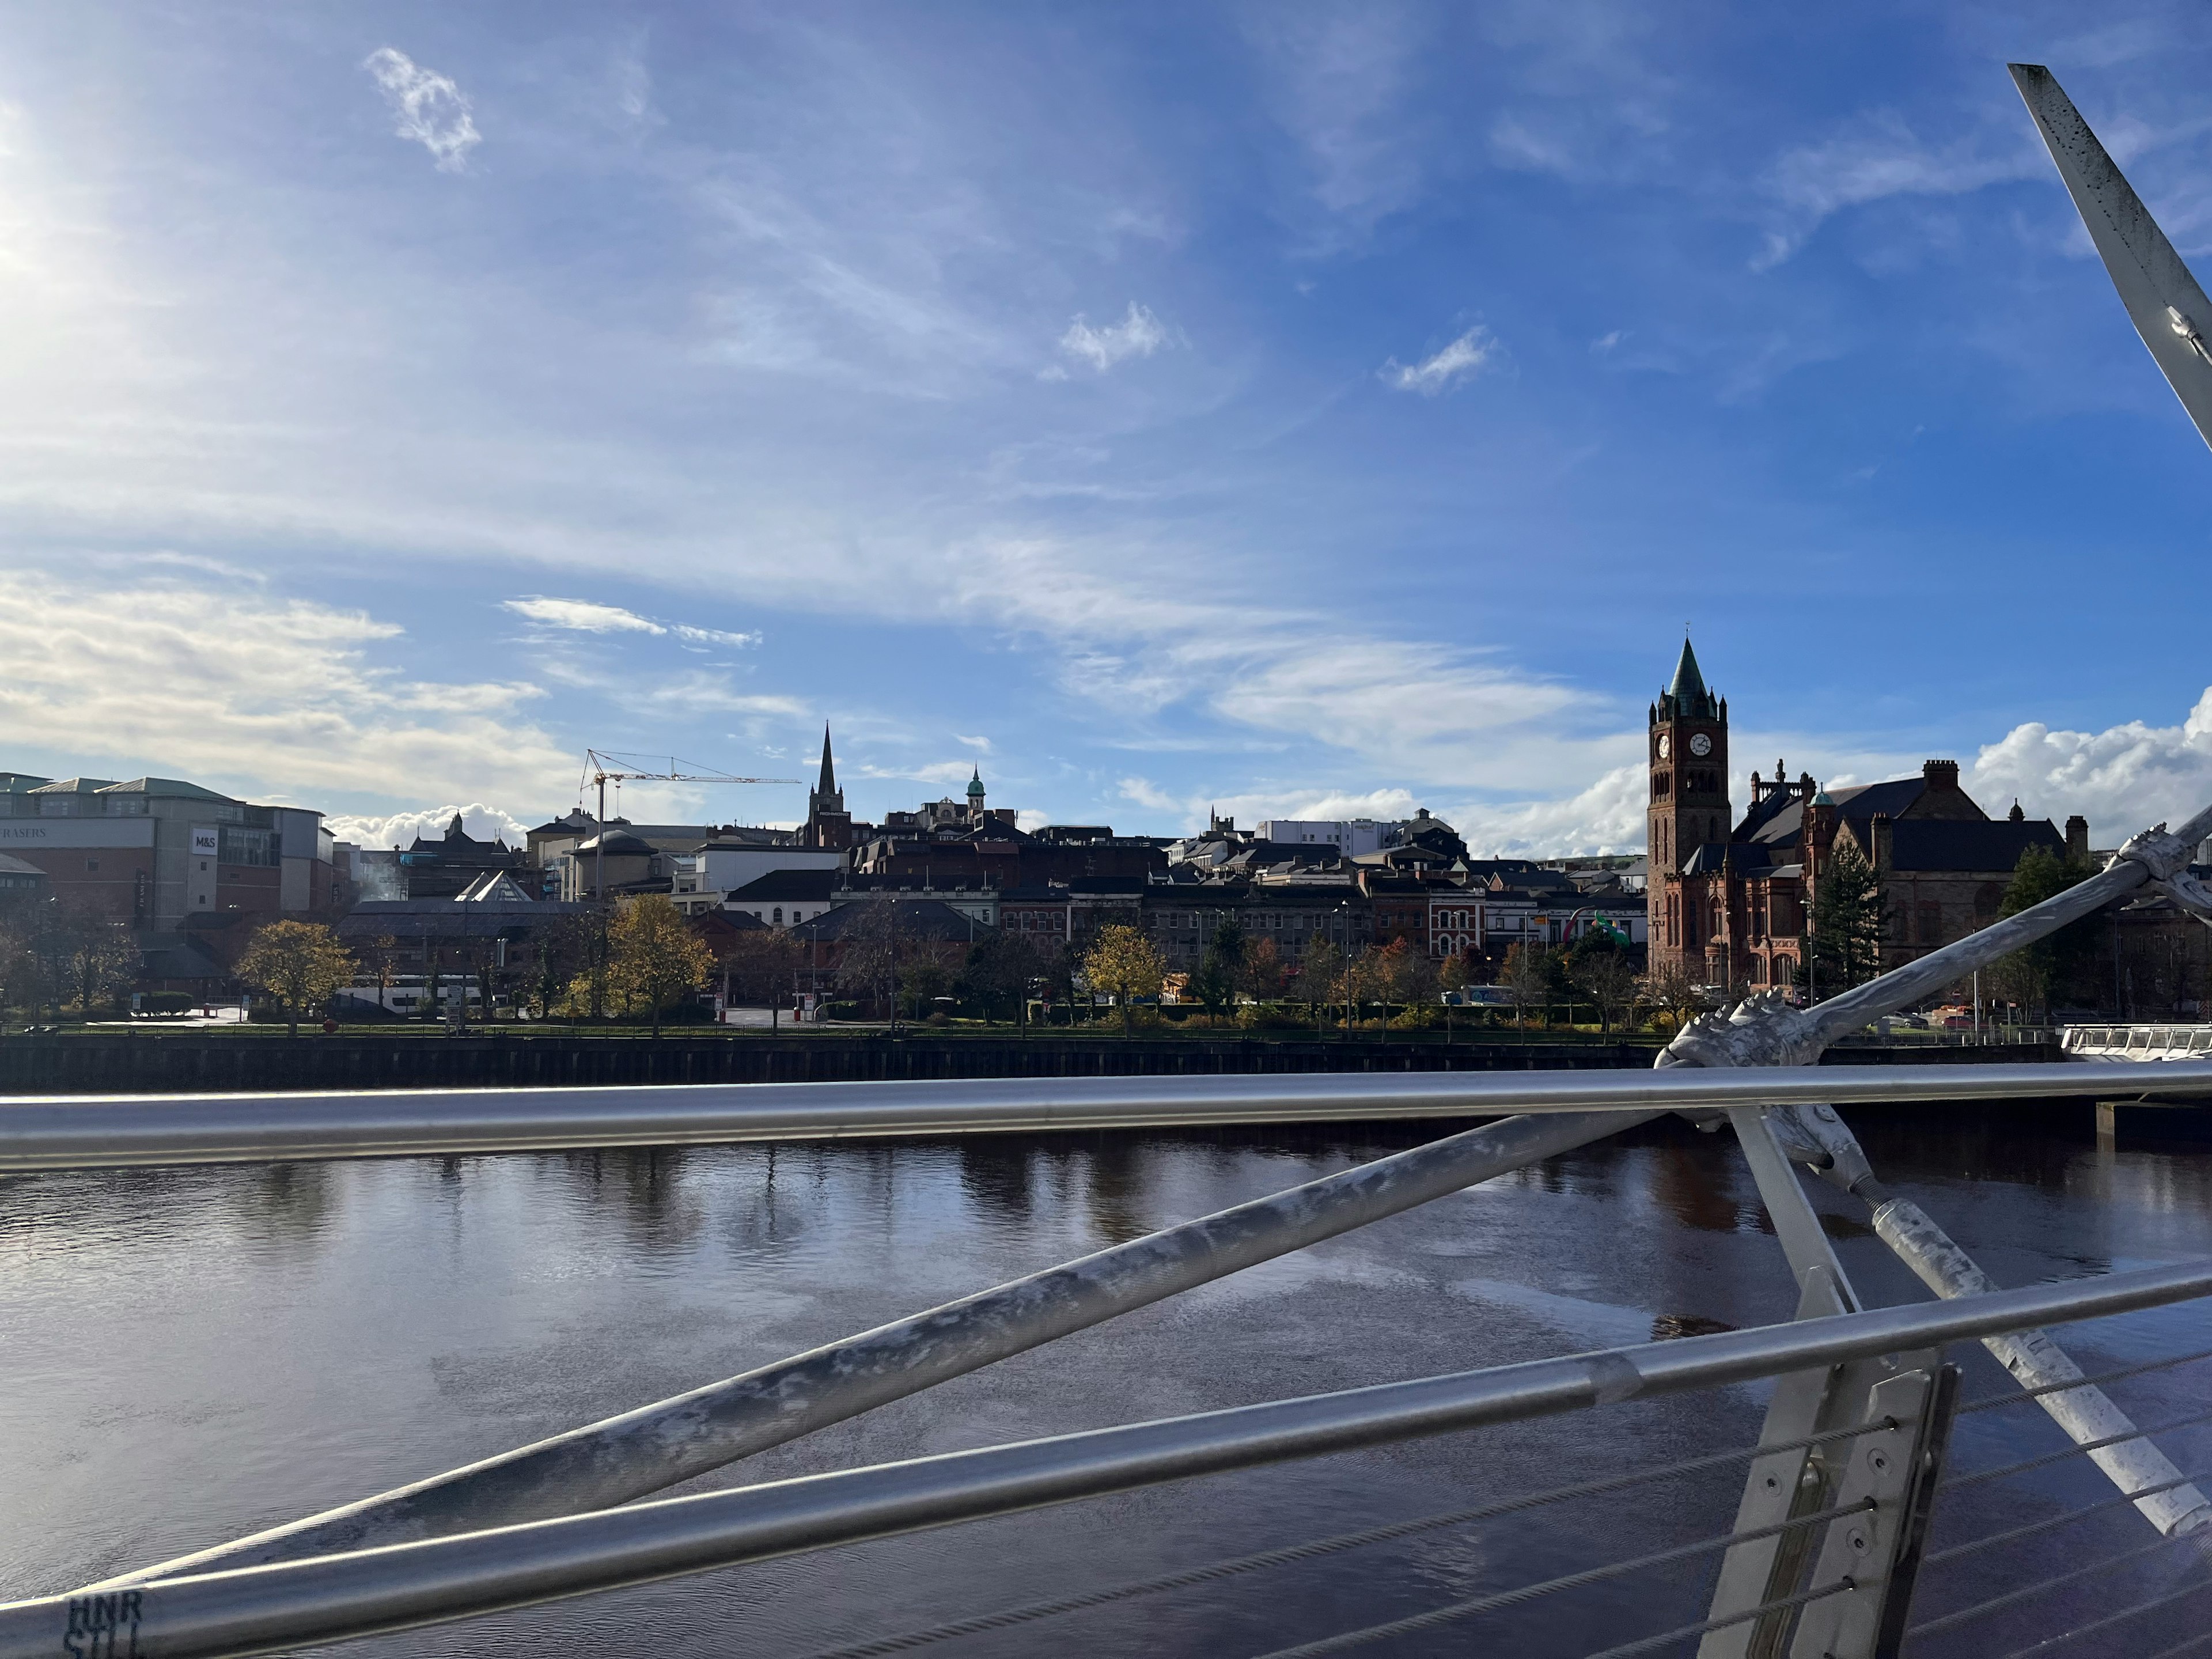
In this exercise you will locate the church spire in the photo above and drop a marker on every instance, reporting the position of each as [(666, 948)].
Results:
[(828, 787)]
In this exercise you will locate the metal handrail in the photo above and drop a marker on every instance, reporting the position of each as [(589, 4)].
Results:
[(328, 1598), (125, 1130)]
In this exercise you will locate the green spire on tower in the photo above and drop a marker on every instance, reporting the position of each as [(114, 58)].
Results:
[(1687, 698)]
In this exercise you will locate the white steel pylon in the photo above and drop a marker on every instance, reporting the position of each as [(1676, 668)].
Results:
[(2168, 308)]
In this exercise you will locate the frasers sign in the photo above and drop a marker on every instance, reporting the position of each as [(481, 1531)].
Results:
[(29, 835), (207, 841)]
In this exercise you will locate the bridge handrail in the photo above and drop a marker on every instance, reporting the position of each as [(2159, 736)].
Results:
[(124, 1131), (329, 1598)]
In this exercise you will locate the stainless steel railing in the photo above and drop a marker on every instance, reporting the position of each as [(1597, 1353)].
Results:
[(117, 1131)]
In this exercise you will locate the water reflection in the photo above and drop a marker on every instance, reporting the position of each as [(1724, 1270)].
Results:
[(306, 1333)]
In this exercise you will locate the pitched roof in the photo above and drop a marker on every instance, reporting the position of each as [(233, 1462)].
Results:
[(15, 866), (492, 887), (1983, 847), (1861, 801), (783, 886), (917, 919), (173, 788), (74, 787)]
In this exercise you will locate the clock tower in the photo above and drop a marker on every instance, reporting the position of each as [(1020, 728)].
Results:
[(1687, 756)]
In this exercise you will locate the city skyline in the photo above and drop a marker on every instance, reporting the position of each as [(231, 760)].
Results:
[(1285, 413)]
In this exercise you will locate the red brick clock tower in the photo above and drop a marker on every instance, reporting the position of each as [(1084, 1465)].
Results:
[(1687, 757)]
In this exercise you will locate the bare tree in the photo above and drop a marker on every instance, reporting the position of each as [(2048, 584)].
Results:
[(1525, 978), (1670, 986), (1607, 980)]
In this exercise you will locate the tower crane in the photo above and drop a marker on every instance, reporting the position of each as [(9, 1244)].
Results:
[(602, 768)]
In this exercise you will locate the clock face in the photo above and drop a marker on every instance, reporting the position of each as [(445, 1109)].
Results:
[(1666, 745), (1701, 744)]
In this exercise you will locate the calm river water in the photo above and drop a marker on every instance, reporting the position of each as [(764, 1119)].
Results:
[(189, 1355)]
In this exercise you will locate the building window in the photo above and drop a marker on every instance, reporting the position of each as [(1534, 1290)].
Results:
[(92, 863), (54, 806), (778, 915)]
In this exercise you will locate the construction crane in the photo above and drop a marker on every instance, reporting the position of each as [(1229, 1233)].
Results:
[(603, 768)]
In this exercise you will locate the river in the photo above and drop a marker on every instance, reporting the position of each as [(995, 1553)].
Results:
[(189, 1355)]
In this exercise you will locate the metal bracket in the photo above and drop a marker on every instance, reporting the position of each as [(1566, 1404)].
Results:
[(1780, 1484), (1896, 1470)]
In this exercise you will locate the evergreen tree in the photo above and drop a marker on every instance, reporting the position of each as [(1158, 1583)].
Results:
[(1847, 922), (1215, 982), (2032, 973)]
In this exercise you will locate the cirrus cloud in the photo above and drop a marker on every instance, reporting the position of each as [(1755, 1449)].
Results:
[(1444, 368), (1139, 334), (427, 107)]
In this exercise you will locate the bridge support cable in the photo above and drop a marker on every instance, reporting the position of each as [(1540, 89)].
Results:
[(301, 1602), (1315, 1549), (657, 1446)]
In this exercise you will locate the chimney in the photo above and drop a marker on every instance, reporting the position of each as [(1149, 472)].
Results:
[(1940, 775), (1881, 828), (2077, 838)]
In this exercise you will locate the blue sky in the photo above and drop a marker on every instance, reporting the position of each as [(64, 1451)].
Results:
[(1290, 407)]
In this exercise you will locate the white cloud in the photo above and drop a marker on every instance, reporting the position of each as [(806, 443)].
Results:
[(1454, 363), (712, 635), (427, 107), (1137, 335), (584, 616), (1606, 817), (2122, 779), (1606, 342), (981, 745), (400, 829), (589, 617), (274, 698)]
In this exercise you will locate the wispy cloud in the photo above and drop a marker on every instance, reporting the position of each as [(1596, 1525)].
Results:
[(583, 616), (590, 617), (1876, 156), (1338, 80), (713, 635), (1139, 334), (1444, 368), (427, 107)]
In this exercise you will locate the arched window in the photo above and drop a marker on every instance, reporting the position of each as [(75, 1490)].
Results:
[(1758, 971), (778, 915), (1785, 971)]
